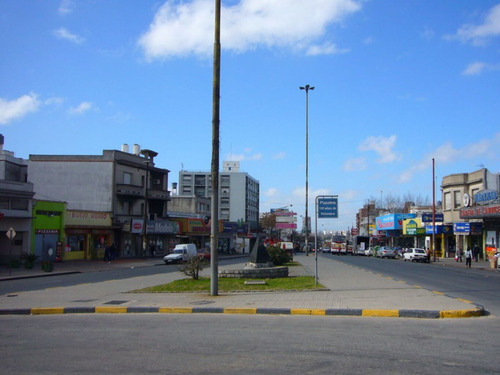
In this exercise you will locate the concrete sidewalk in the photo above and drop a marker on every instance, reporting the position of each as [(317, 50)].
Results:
[(351, 291)]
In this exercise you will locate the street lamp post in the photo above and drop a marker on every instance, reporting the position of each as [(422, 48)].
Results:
[(307, 88)]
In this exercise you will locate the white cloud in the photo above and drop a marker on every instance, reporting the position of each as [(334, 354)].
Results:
[(244, 156), (187, 28), (66, 7), (382, 146), (63, 33), (477, 34), (82, 108), (355, 164), (477, 68), (15, 109), (271, 192), (325, 49), (279, 155), (447, 154)]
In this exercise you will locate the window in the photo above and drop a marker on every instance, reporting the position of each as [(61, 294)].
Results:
[(447, 201), (19, 204), (127, 178), (457, 202)]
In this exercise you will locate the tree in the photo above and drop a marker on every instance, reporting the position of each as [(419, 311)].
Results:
[(193, 266)]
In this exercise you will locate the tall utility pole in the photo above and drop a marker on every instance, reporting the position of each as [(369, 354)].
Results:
[(214, 227), (307, 88)]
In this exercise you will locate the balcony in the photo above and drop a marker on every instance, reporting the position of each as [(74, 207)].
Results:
[(130, 190)]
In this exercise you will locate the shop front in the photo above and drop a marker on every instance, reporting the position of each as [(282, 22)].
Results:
[(161, 236), (468, 235), (197, 231), (87, 234), (490, 216), (391, 226), (414, 232)]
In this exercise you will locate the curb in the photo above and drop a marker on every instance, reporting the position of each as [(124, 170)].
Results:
[(380, 313)]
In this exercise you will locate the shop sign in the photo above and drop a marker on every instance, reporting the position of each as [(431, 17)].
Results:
[(427, 217), (392, 221), (486, 196), (480, 212), (88, 218), (162, 227), (461, 228), (439, 229), (47, 231), (413, 227), (136, 226)]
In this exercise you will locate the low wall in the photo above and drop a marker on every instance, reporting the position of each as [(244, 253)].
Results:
[(256, 273)]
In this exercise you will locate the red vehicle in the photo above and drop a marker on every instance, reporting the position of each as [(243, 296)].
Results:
[(339, 245)]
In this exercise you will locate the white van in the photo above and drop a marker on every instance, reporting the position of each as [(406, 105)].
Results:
[(181, 253)]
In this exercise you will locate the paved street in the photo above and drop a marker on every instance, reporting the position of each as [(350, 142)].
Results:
[(350, 291)]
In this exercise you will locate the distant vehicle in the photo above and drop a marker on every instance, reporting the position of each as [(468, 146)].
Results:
[(370, 252), (360, 245), (181, 253), (386, 252), (415, 255), (338, 245), (205, 254)]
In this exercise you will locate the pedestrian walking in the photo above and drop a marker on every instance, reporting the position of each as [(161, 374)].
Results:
[(468, 258), (107, 253), (476, 252)]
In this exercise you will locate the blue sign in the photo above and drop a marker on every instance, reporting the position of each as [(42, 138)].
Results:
[(461, 228), (427, 218), (328, 207)]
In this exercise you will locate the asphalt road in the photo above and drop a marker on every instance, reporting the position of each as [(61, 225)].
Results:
[(478, 286), (239, 344)]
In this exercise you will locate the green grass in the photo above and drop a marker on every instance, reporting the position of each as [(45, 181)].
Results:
[(234, 285)]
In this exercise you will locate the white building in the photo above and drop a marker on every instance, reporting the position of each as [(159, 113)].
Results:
[(238, 195)]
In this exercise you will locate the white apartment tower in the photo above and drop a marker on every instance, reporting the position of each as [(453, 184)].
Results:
[(238, 195)]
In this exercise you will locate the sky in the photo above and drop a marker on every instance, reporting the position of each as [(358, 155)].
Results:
[(397, 84)]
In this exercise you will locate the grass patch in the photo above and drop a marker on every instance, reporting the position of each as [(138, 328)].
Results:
[(233, 285)]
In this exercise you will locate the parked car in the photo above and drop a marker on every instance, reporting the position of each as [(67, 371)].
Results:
[(415, 254), (181, 253), (369, 252), (204, 253), (386, 252)]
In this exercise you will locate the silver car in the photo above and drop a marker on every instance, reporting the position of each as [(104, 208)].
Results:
[(386, 252)]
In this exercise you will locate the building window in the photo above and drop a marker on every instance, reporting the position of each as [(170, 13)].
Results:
[(127, 178), (457, 201), (19, 204), (447, 201)]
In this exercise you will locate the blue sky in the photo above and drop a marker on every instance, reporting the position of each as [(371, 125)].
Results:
[(397, 83)]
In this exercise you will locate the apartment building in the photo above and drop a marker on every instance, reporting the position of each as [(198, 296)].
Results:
[(118, 197), (16, 205), (238, 195), (471, 207)]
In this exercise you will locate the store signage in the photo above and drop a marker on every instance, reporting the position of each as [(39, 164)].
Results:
[(427, 217), (486, 196), (480, 212), (88, 218), (162, 227), (461, 228), (286, 226)]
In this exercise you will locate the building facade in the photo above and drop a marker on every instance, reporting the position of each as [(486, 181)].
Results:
[(16, 206), (469, 206), (238, 195), (115, 198)]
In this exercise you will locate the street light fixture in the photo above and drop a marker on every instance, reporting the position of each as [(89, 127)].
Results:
[(307, 88)]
